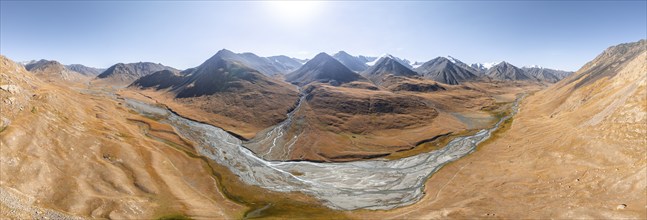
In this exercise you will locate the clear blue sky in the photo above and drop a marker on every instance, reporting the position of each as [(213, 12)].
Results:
[(562, 35)]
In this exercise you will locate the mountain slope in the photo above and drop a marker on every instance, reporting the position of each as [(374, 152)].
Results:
[(286, 63), (385, 67), (575, 150), (445, 71), (367, 59), (122, 74), (353, 63), (464, 65), (88, 71), (323, 68), (545, 74), (269, 66), (404, 62), (507, 71), (53, 70), (224, 93), (160, 80)]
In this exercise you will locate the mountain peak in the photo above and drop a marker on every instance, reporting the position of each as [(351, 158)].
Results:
[(534, 66), (323, 68), (322, 55), (224, 50), (352, 62), (43, 64), (444, 70), (342, 53), (269, 66), (453, 60), (507, 71), (386, 66), (404, 62), (386, 55)]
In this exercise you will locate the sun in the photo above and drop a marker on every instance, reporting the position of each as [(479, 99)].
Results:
[(295, 11)]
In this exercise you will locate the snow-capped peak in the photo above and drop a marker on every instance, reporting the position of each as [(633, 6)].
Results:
[(380, 57), (453, 60), (416, 64), (486, 65), (534, 66)]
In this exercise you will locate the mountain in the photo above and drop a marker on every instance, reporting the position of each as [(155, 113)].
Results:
[(463, 65), (404, 62), (416, 64), (353, 63), (161, 79), (367, 59), (302, 61), (85, 70), (323, 68), (482, 68), (445, 71), (123, 74), (545, 74), (222, 92), (269, 66), (387, 66), (286, 63), (507, 71), (53, 70)]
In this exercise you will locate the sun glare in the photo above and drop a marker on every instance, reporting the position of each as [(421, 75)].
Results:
[(295, 11)]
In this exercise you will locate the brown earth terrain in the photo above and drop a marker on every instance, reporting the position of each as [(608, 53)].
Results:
[(65, 153), (345, 124), (575, 150)]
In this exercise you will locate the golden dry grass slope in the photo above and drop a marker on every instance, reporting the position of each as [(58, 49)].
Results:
[(65, 153), (575, 150)]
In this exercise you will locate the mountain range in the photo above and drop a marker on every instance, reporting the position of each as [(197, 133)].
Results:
[(85, 70), (447, 70), (225, 92)]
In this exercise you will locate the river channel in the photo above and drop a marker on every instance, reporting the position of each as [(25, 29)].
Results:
[(370, 184)]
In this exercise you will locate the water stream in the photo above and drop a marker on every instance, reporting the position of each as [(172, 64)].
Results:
[(372, 184)]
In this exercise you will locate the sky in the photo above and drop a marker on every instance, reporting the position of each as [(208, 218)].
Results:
[(553, 34)]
